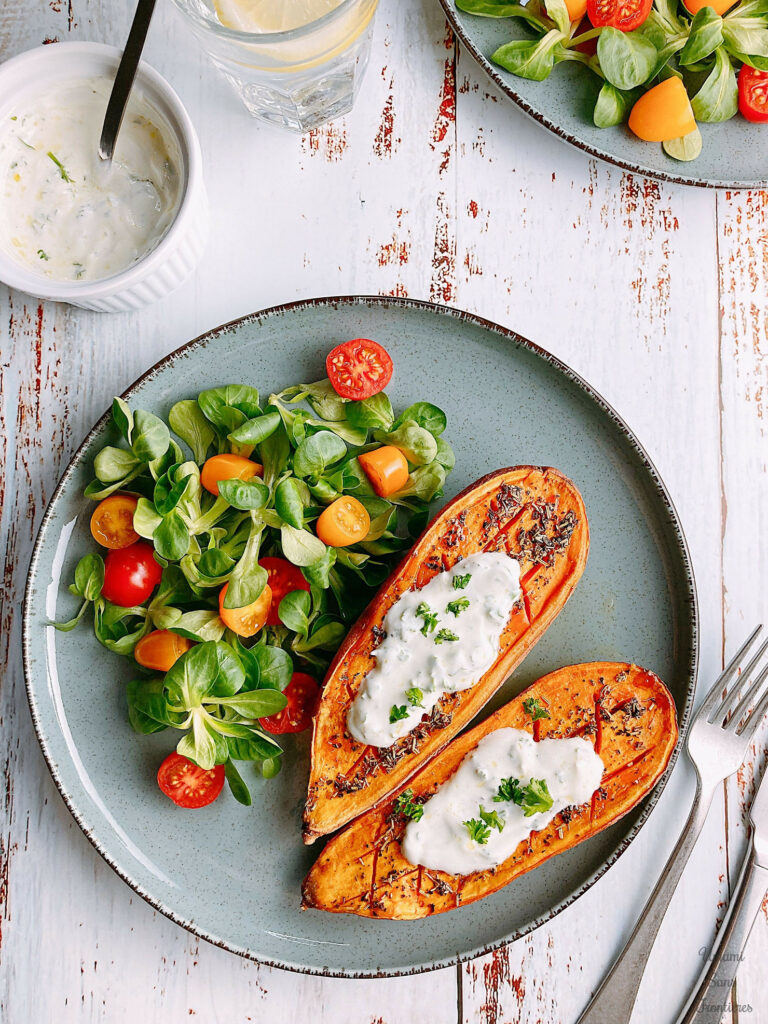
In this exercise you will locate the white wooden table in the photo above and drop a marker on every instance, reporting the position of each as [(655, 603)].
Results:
[(434, 187)]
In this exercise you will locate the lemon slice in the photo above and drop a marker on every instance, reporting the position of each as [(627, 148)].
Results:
[(271, 15)]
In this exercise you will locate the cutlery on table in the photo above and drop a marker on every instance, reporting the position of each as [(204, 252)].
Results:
[(718, 740), (126, 72), (713, 989)]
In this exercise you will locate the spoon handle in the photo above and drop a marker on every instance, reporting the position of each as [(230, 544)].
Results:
[(126, 73)]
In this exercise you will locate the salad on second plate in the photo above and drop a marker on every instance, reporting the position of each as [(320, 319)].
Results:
[(242, 539), (664, 65)]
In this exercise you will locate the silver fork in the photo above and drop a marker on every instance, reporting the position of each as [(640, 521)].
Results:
[(717, 743)]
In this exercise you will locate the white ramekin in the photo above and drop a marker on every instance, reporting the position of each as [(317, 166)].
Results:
[(178, 253)]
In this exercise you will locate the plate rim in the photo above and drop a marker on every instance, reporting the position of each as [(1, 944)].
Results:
[(484, 63), (691, 599)]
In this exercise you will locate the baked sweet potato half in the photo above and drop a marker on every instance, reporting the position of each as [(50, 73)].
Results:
[(534, 514), (627, 712)]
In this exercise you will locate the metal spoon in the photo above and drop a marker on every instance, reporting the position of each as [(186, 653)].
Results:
[(126, 72)]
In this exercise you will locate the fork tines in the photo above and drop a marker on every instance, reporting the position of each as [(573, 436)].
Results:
[(720, 705)]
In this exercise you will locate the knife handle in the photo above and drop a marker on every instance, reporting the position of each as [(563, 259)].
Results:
[(713, 990)]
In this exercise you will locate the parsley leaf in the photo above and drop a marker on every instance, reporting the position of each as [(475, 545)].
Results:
[(537, 798), (534, 708), (405, 805), (43, 254), (415, 697), (396, 713), (460, 582), (492, 818), (430, 617), (444, 635), (458, 606), (478, 831), (509, 789)]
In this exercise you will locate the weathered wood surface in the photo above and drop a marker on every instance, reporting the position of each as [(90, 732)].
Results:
[(434, 188)]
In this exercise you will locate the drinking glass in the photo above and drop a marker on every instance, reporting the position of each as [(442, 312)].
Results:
[(297, 79)]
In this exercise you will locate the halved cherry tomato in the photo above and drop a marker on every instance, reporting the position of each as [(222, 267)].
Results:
[(576, 9), (227, 467), (664, 112), (130, 574), (249, 620), (283, 578), (160, 649), (386, 468), (112, 522), (718, 6), (303, 696), (359, 368), (345, 521), (187, 784), (753, 94), (624, 15)]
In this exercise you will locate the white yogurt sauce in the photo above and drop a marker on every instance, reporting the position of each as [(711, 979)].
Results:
[(66, 214), (441, 841), (449, 652)]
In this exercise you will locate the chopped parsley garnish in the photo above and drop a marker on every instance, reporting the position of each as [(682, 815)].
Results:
[(458, 606), (444, 635), (492, 818), (460, 582), (415, 697), (405, 805), (43, 255), (430, 617), (537, 799), (62, 168), (509, 789), (396, 713), (478, 830), (534, 708), (533, 798)]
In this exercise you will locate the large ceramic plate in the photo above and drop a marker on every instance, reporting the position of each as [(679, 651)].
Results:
[(735, 153), (233, 874)]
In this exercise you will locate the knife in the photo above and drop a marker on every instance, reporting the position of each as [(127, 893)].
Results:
[(712, 995)]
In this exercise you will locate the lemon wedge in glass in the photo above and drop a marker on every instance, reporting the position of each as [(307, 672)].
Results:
[(271, 15)]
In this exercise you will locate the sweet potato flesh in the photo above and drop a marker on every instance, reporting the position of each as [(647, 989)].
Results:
[(534, 514), (627, 713)]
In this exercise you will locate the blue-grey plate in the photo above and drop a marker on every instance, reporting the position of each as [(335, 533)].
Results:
[(507, 402), (734, 155)]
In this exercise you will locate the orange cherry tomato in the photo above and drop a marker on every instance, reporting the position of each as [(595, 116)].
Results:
[(112, 522), (718, 6), (303, 695), (345, 521), (386, 468), (284, 577), (576, 9), (187, 784), (227, 467), (625, 15), (664, 112), (160, 649), (753, 94), (249, 620)]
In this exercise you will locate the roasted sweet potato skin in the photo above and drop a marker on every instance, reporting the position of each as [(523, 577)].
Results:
[(627, 712), (535, 514)]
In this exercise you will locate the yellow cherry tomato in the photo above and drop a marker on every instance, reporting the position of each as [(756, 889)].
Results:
[(718, 6), (227, 467), (249, 620), (386, 468), (576, 9), (344, 522), (112, 522), (160, 649), (664, 112)]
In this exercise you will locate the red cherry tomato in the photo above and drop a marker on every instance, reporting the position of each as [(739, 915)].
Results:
[(187, 784), (303, 695), (753, 93), (283, 578), (130, 574), (359, 368), (624, 15)]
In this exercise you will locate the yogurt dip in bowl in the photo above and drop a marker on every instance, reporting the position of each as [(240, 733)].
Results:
[(107, 237)]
